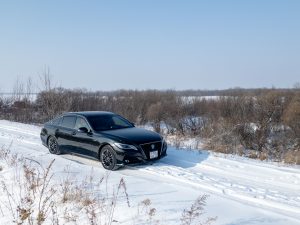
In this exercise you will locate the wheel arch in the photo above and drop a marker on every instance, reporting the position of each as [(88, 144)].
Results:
[(47, 140), (101, 147)]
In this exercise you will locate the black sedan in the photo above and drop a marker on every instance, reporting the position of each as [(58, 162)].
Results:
[(103, 135)]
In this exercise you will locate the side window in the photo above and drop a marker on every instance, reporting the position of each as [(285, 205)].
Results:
[(81, 123), (56, 121), (68, 121)]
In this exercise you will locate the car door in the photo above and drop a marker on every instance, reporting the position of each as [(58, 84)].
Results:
[(85, 142), (65, 133)]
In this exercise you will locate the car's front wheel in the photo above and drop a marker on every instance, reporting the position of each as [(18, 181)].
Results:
[(53, 146), (108, 158)]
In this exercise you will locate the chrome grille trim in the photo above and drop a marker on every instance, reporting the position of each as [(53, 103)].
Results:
[(151, 142), (154, 142)]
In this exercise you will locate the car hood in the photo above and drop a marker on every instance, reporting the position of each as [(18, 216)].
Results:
[(134, 135)]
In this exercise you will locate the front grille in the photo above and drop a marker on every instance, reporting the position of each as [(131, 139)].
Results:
[(153, 146)]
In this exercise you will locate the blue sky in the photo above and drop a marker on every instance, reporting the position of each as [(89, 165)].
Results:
[(157, 44)]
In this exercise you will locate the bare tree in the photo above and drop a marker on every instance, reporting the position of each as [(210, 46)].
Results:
[(29, 89), (46, 80), (18, 90)]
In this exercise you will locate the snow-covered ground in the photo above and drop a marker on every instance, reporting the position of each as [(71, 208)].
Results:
[(241, 191)]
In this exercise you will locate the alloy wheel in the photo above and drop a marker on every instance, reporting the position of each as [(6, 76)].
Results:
[(107, 158), (52, 145)]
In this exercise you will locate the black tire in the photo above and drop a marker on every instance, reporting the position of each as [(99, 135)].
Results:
[(108, 158), (53, 146)]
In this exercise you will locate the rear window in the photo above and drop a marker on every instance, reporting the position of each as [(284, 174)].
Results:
[(68, 121)]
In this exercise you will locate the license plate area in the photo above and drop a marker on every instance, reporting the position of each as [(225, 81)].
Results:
[(153, 154)]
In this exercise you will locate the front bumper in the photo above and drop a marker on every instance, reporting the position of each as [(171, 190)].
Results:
[(44, 138), (133, 156)]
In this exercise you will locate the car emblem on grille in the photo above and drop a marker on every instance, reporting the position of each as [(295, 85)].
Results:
[(152, 146)]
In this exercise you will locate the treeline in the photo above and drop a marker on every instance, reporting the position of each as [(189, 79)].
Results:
[(262, 123)]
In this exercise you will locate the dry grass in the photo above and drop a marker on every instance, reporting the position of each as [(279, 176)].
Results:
[(262, 156), (146, 213), (70, 216), (194, 214), (32, 197), (11, 159), (292, 157), (184, 142)]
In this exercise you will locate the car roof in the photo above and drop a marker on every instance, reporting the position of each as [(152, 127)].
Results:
[(88, 113)]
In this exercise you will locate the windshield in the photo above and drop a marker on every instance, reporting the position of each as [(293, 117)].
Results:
[(108, 122)]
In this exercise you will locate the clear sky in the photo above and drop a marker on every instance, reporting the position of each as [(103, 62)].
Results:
[(157, 44)]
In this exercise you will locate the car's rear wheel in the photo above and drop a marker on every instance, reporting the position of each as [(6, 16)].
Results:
[(53, 146), (108, 158)]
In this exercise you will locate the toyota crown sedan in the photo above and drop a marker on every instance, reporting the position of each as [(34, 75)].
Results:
[(105, 136)]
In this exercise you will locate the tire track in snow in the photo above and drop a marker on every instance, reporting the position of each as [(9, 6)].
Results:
[(19, 130), (215, 187)]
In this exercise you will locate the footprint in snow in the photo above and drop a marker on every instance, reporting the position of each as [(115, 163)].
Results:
[(227, 191)]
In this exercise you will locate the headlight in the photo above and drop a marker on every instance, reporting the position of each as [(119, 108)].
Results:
[(126, 146)]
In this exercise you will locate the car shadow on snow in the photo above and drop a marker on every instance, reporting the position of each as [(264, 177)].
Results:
[(181, 158), (184, 158)]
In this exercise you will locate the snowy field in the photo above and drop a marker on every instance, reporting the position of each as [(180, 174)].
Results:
[(241, 191)]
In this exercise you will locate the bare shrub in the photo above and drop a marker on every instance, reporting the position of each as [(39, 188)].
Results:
[(113, 203), (194, 214), (72, 191), (54, 215), (268, 111), (223, 139), (178, 143), (19, 106), (252, 154), (31, 197), (11, 159), (146, 212), (292, 157), (35, 195), (263, 120), (263, 156), (100, 208), (4, 153), (292, 118), (155, 114), (70, 216)]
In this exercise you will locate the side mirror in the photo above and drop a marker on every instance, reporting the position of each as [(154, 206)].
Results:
[(83, 130)]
